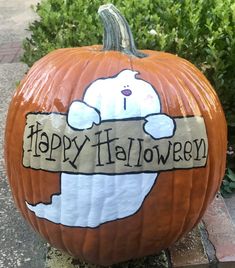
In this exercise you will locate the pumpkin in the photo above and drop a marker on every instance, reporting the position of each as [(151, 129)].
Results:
[(114, 153)]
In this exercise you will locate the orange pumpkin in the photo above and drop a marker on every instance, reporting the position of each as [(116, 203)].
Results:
[(114, 153)]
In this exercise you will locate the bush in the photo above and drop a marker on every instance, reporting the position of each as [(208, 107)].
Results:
[(201, 31), (228, 184)]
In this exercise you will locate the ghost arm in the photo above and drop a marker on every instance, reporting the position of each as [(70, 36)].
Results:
[(82, 116), (159, 126)]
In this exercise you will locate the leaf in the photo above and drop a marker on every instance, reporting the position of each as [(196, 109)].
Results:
[(224, 193), (231, 175), (227, 189), (225, 182), (232, 185)]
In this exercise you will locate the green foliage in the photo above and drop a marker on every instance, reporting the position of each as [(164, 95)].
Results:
[(231, 148), (201, 31), (227, 186), (228, 183)]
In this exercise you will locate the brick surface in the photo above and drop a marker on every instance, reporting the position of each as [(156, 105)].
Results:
[(221, 232), (8, 58), (189, 251), (10, 45), (230, 202), (10, 52)]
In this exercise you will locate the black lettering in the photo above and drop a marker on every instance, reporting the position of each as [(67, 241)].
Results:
[(163, 158), (79, 149), (120, 153), (204, 155), (106, 142), (129, 152), (55, 144), (44, 145), (200, 144), (187, 150), (98, 148), (108, 145), (177, 147), (140, 151), (148, 155), (67, 145), (31, 136)]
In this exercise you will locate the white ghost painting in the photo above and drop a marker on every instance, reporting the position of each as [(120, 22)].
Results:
[(91, 200)]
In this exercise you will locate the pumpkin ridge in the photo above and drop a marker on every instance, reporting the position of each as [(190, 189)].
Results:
[(176, 91), (189, 92), (80, 64), (177, 76), (203, 83), (186, 72), (52, 57), (65, 68), (174, 232), (9, 140), (161, 70), (190, 172), (205, 203), (207, 188)]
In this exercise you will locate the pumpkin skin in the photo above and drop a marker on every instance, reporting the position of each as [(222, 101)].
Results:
[(178, 199)]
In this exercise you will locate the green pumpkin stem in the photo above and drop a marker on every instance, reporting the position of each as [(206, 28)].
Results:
[(117, 33)]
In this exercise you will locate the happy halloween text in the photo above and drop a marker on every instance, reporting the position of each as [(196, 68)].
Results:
[(113, 147)]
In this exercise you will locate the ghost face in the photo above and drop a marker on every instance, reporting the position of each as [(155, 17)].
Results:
[(122, 96)]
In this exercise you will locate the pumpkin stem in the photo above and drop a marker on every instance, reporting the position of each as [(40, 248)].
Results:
[(117, 33)]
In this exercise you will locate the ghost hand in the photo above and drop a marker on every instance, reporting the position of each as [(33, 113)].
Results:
[(82, 116), (159, 126)]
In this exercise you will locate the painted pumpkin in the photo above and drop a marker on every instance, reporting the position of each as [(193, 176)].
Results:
[(114, 153)]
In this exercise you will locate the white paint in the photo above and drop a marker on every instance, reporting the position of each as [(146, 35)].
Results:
[(159, 126), (105, 95), (90, 200), (81, 116)]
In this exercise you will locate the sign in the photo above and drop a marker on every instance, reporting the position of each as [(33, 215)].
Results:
[(113, 146)]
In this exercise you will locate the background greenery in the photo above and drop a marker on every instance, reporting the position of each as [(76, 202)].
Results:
[(202, 31)]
